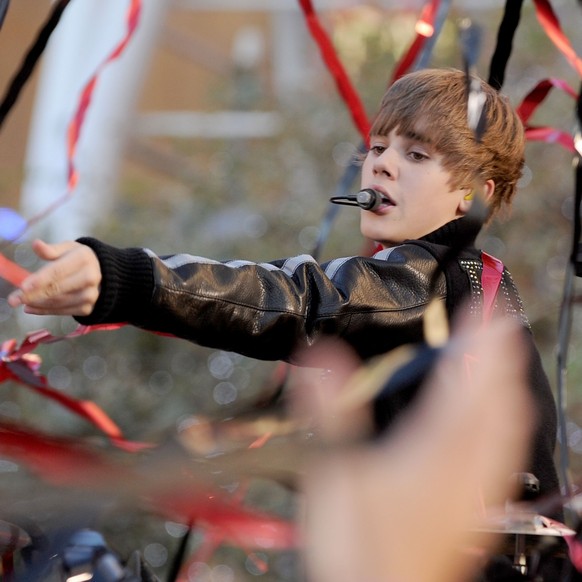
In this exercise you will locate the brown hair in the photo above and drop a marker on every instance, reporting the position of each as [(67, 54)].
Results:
[(433, 103)]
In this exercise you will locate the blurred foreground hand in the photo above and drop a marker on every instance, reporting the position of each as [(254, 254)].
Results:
[(406, 508)]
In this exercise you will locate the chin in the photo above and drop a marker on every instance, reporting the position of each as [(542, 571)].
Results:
[(380, 235), (376, 227)]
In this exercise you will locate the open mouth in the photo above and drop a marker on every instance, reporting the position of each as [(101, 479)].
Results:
[(386, 202), (382, 201)]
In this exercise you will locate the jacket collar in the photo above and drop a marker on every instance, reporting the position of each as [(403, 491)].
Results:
[(461, 229)]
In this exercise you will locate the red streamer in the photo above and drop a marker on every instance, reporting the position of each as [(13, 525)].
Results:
[(551, 135), (551, 25), (337, 70), (61, 461), (532, 101), (424, 29), (76, 124), (12, 272), (175, 487), (20, 365)]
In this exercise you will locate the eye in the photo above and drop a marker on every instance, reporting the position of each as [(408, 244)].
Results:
[(417, 156), (377, 150)]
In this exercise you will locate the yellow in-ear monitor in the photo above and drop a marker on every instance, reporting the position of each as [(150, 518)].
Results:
[(470, 195)]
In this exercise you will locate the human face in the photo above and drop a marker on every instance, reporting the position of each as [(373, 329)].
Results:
[(409, 173)]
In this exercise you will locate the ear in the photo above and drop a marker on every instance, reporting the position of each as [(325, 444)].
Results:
[(486, 192)]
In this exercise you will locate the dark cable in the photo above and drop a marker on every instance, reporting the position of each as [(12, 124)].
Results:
[(31, 59), (504, 45)]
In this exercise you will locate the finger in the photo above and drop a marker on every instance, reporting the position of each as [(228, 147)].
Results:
[(72, 310), (50, 252), (14, 299), (78, 303)]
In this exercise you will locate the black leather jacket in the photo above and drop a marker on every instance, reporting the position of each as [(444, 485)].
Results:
[(269, 310)]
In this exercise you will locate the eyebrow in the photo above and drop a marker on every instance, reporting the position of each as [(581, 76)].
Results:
[(419, 137)]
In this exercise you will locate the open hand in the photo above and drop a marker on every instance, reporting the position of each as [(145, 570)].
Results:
[(68, 285)]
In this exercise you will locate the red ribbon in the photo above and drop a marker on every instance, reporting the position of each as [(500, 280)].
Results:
[(539, 93), (532, 101), (12, 272), (183, 491), (76, 124), (551, 135), (59, 461), (337, 70), (20, 365), (228, 521), (551, 25), (424, 29)]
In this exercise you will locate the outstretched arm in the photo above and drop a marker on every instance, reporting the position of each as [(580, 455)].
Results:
[(263, 310)]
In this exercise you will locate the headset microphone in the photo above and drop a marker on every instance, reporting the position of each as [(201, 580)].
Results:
[(368, 199)]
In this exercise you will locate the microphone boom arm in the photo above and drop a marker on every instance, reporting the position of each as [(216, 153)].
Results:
[(368, 199)]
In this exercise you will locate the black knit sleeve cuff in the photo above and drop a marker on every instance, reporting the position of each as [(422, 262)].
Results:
[(127, 284)]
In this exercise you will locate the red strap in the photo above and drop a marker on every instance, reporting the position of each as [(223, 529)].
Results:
[(490, 280)]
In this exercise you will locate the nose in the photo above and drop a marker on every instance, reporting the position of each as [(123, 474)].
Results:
[(385, 164)]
